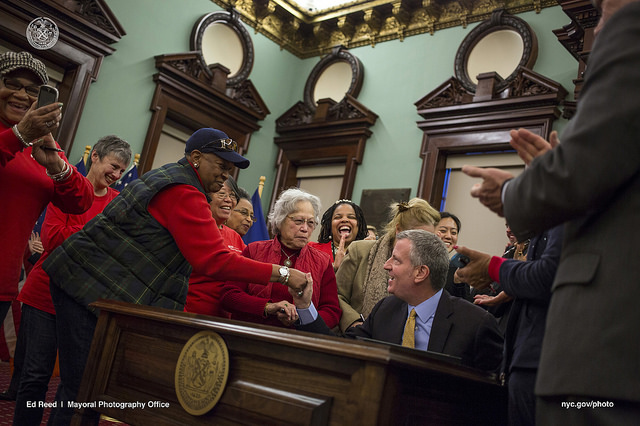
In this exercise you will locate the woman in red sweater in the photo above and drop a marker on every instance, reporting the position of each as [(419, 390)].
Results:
[(203, 296), (32, 171), (293, 219), (109, 159)]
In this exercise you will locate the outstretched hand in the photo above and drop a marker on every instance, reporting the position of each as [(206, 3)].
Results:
[(476, 273), (486, 300), (529, 145), (489, 192)]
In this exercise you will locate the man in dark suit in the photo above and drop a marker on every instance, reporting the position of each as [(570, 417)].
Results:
[(530, 284), (417, 273), (591, 181)]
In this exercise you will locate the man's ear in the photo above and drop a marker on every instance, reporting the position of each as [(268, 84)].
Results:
[(421, 273)]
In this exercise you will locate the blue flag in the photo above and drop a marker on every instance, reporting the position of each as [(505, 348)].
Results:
[(38, 226), (82, 169), (258, 231), (125, 180)]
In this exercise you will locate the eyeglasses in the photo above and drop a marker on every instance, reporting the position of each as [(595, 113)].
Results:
[(245, 213), (225, 144), (13, 84), (299, 222), (221, 195)]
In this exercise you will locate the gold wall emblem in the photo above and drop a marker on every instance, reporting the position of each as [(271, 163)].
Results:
[(201, 372)]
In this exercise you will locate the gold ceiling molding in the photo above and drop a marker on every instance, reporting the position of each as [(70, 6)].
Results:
[(360, 23)]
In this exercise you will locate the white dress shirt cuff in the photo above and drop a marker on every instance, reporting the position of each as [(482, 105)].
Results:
[(308, 315)]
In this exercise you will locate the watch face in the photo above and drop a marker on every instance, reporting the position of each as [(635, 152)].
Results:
[(284, 271)]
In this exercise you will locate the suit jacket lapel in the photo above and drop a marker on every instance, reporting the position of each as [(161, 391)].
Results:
[(442, 323), (397, 322)]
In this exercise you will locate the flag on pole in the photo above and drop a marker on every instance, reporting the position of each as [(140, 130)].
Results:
[(37, 228), (125, 180), (82, 168), (258, 231)]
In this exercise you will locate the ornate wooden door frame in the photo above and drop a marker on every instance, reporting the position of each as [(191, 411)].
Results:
[(457, 122)]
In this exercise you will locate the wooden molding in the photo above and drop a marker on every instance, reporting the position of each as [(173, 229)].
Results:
[(454, 123), (333, 133), (190, 96), (577, 37)]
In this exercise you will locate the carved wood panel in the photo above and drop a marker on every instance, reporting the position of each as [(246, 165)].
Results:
[(577, 37), (193, 98), (457, 122), (334, 133)]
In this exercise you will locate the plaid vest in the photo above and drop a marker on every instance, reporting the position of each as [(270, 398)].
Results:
[(124, 253)]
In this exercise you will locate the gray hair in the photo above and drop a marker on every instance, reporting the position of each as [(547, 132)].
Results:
[(243, 194), (427, 249), (113, 145), (286, 204)]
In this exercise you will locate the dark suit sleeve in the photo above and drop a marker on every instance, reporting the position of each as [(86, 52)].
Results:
[(364, 330), (318, 326), (599, 151), (488, 345), (532, 279)]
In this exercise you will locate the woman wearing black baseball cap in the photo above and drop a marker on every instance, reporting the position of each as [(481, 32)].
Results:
[(143, 247)]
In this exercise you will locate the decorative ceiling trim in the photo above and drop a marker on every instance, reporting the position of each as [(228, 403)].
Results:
[(365, 23)]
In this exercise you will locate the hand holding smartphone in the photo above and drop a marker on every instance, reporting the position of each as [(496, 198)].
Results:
[(47, 96)]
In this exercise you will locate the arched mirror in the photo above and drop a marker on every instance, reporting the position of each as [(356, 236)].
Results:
[(501, 44), (221, 38), (336, 75)]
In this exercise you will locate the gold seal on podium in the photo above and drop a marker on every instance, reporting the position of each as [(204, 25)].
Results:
[(201, 372)]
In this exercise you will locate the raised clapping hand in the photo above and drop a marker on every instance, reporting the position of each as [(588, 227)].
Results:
[(476, 273), (529, 145), (35, 243), (339, 253)]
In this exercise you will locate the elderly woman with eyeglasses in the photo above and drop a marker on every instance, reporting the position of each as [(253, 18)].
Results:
[(203, 296), (143, 247), (241, 218), (292, 220), (33, 172)]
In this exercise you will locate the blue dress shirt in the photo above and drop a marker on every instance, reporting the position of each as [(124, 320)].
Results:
[(425, 312)]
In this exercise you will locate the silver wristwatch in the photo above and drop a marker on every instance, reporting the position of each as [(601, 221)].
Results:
[(284, 274)]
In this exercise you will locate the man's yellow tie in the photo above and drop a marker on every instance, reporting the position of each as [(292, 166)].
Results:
[(409, 335)]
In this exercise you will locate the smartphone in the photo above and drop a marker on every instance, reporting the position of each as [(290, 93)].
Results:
[(48, 95), (460, 261)]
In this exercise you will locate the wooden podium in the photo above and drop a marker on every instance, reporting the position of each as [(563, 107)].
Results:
[(278, 376)]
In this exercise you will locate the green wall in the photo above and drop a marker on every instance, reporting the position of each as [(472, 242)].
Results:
[(397, 74)]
